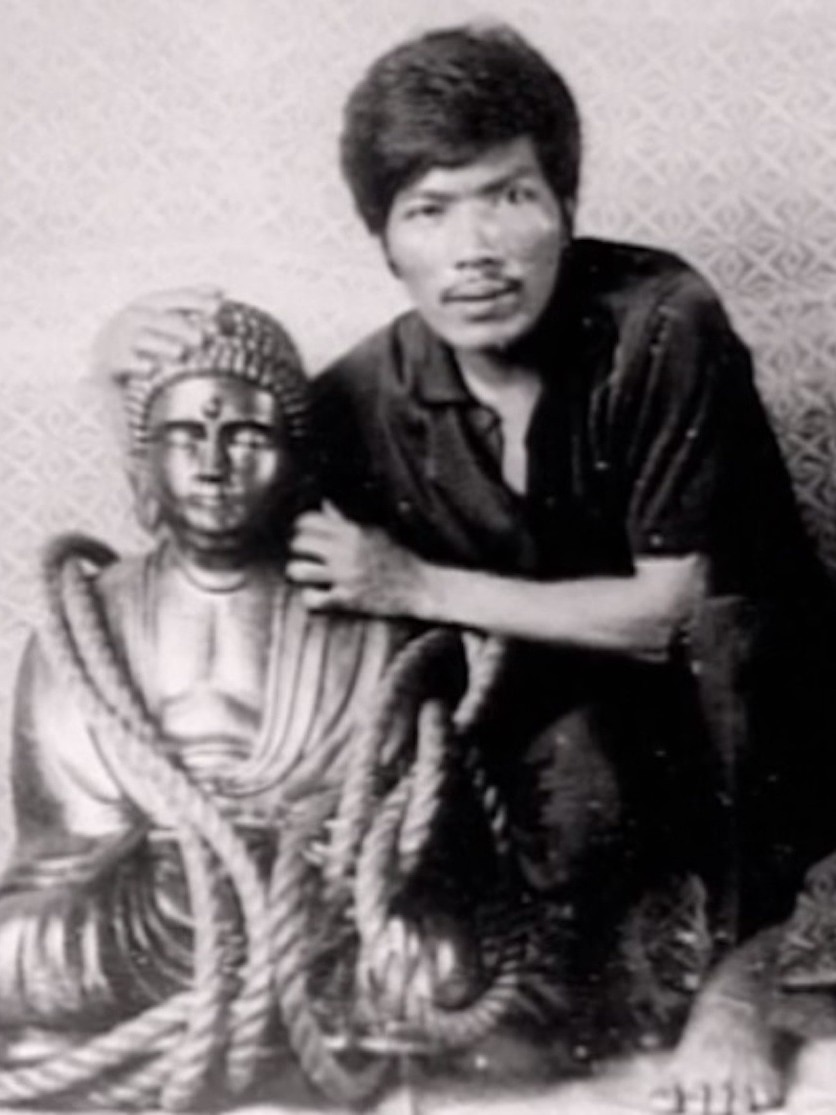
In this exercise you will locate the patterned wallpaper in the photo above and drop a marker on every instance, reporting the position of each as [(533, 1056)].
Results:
[(148, 143)]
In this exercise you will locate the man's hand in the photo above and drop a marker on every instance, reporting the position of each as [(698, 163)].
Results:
[(346, 567), (157, 327)]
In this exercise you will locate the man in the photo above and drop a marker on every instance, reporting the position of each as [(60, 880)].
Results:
[(563, 440), (562, 445)]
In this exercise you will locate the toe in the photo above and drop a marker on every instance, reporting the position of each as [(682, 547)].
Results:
[(697, 1100), (667, 1099), (764, 1095), (721, 1099)]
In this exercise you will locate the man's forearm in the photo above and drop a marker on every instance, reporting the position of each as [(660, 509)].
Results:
[(342, 566), (637, 615)]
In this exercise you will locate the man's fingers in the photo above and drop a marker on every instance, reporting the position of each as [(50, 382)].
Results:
[(324, 525), (153, 346), (198, 299), (302, 571), (187, 332), (332, 512), (321, 600), (312, 525), (159, 327)]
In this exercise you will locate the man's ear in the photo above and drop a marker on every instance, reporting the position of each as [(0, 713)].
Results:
[(387, 255)]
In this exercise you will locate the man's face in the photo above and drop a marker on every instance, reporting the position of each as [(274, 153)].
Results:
[(478, 246), (219, 461)]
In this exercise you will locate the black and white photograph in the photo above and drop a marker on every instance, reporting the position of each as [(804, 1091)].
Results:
[(418, 556)]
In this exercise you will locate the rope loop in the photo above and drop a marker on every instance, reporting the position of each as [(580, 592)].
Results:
[(375, 831)]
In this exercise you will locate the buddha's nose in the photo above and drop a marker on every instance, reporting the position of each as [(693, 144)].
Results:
[(214, 459)]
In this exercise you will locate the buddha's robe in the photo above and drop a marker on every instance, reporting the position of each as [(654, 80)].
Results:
[(254, 696)]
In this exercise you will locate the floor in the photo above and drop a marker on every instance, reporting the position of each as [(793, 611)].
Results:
[(622, 1090)]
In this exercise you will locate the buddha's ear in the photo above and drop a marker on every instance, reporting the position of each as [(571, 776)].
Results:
[(146, 504)]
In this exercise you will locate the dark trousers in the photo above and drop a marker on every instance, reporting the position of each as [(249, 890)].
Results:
[(721, 762)]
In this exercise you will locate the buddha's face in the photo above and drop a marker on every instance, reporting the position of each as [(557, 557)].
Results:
[(219, 462)]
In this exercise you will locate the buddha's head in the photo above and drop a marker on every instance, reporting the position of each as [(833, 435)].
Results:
[(219, 440)]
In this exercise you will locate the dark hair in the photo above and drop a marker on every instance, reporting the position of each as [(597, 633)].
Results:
[(443, 99)]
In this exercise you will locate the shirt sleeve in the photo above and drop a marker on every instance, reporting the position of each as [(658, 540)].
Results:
[(685, 416)]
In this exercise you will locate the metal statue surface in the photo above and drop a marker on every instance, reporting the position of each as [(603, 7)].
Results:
[(186, 737)]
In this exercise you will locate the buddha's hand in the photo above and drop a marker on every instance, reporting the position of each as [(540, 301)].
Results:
[(434, 962), (163, 326), (345, 567)]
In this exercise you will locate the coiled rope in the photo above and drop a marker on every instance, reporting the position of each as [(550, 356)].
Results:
[(167, 1055)]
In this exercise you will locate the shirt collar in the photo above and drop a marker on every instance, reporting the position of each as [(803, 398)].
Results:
[(431, 368)]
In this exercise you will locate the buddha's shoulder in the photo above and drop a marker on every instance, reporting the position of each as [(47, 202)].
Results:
[(124, 579)]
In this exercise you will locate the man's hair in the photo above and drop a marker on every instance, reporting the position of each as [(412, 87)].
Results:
[(443, 99)]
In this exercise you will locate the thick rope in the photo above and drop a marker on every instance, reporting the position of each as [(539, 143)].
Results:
[(187, 805), (403, 822), (206, 1027), (67, 1072), (290, 933), (130, 745), (174, 1047), (434, 743), (438, 1026), (403, 684)]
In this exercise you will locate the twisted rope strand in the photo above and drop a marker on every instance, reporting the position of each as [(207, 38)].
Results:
[(205, 1029), (402, 685), (366, 844), (133, 745), (123, 1044), (290, 935), (486, 668), (434, 740)]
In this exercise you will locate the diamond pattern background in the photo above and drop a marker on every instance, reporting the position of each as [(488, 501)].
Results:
[(149, 143)]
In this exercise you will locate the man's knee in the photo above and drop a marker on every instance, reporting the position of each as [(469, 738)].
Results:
[(565, 804)]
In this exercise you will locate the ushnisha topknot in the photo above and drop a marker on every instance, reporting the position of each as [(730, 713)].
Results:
[(240, 341)]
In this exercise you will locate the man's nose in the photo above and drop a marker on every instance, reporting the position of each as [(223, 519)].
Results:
[(476, 235)]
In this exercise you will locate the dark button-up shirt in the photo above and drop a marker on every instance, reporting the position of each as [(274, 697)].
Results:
[(648, 438)]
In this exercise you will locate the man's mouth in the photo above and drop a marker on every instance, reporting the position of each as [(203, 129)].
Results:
[(479, 293)]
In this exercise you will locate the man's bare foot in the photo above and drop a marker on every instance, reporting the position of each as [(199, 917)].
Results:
[(724, 1065), (727, 1062)]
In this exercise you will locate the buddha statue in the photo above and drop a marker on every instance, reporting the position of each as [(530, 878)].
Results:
[(178, 696)]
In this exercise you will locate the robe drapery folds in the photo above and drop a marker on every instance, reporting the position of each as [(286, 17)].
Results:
[(94, 908)]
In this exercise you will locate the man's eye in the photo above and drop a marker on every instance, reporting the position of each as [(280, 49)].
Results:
[(425, 211), (519, 194)]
